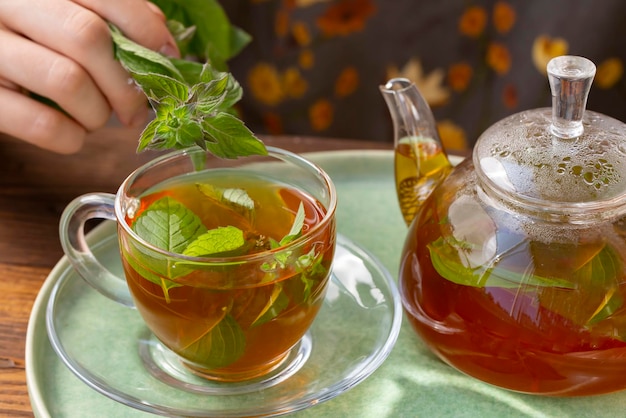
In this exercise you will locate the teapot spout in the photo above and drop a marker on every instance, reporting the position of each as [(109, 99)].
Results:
[(421, 162)]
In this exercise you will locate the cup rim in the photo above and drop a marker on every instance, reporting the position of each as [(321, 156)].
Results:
[(275, 152)]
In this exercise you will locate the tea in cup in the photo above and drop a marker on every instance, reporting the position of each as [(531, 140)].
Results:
[(227, 261)]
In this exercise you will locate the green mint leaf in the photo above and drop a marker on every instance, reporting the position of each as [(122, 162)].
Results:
[(182, 35), (598, 284), (219, 241), (227, 137), (159, 271), (186, 131), (238, 198), (238, 40), (235, 199), (311, 266), (190, 70), (277, 302), (158, 135), (445, 258), (158, 86), (234, 92), (282, 257), (610, 304), (137, 59), (296, 228), (219, 346), (169, 225), (214, 31), (174, 128), (208, 97)]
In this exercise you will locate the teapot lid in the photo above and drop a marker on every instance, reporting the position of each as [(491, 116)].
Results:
[(564, 157)]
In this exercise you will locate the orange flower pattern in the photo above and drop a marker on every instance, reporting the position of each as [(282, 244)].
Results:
[(347, 82), (265, 85), (498, 58), (459, 76), (609, 73), (345, 17), (472, 22), (503, 17), (314, 66), (321, 115)]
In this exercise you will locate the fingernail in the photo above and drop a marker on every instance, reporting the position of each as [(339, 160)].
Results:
[(170, 50)]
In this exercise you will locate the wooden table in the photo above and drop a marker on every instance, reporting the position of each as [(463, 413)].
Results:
[(35, 186)]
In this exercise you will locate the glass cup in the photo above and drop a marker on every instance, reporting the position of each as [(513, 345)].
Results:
[(237, 313)]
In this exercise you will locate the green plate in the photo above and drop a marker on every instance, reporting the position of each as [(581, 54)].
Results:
[(411, 381)]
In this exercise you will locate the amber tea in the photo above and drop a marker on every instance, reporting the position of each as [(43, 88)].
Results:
[(420, 164), (244, 289), (542, 318)]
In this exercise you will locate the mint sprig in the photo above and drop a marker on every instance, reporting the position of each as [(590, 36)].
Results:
[(192, 103)]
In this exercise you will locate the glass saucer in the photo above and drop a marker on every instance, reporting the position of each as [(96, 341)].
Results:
[(100, 342)]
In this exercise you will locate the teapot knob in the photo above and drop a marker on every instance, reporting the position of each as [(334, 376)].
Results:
[(570, 81)]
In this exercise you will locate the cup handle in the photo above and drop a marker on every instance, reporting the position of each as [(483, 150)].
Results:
[(72, 235)]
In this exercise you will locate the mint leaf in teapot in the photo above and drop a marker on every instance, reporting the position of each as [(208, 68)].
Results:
[(444, 254)]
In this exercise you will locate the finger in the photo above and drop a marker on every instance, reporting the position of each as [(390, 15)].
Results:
[(34, 122), (139, 20), (83, 37), (54, 76)]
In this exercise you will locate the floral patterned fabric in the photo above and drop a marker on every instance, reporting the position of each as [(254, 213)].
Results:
[(314, 66)]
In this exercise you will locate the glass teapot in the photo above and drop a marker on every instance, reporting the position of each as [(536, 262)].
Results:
[(514, 267)]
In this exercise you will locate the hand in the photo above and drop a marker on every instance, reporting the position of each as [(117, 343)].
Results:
[(62, 50)]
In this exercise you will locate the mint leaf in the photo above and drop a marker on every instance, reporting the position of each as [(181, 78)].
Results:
[(139, 59), (445, 258), (277, 302), (182, 35), (158, 86), (215, 38), (158, 272), (228, 137), (311, 266), (208, 97), (597, 295), (235, 199), (220, 346), (169, 225), (219, 241), (296, 228), (611, 303)]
